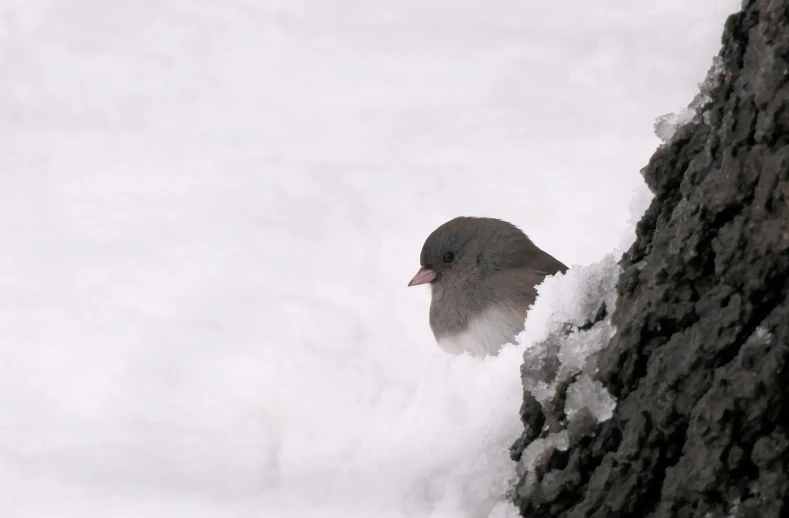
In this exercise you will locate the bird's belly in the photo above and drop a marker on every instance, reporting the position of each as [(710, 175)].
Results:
[(486, 334)]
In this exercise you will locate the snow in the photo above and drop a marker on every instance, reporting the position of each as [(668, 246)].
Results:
[(209, 216), (562, 331), (592, 395), (536, 448), (666, 125)]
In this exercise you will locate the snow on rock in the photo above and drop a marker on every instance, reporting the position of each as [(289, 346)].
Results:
[(666, 126), (569, 323), (590, 394)]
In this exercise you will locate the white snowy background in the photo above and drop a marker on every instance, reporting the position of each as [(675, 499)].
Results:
[(209, 212)]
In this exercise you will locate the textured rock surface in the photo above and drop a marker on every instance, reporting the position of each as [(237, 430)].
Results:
[(700, 360)]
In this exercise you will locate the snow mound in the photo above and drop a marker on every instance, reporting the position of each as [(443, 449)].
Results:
[(569, 323), (438, 444), (331, 434)]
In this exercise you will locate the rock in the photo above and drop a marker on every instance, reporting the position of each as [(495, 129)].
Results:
[(699, 363)]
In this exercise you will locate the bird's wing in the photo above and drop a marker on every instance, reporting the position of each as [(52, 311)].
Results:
[(543, 262), (516, 288)]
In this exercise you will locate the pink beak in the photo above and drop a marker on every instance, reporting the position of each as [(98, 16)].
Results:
[(423, 276)]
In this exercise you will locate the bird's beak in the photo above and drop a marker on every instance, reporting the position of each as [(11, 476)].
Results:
[(423, 276)]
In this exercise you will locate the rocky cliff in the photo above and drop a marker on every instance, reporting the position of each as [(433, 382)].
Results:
[(699, 362)]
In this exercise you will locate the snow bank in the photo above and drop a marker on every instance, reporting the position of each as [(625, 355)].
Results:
[(290, 432), (329, 435)]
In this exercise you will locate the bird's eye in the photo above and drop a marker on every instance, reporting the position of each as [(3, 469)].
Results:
[(448, 257)]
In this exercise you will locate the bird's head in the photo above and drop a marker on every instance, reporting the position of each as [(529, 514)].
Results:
[(466, 250)]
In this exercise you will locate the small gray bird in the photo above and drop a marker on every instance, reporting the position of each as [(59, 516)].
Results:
[(482, 274)]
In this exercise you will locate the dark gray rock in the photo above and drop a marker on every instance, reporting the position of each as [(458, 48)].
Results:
[(699, 363)]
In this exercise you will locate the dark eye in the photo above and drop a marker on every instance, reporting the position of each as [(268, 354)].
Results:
[(448, 257)]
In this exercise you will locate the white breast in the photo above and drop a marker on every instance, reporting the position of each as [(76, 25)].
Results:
[(485, 334)]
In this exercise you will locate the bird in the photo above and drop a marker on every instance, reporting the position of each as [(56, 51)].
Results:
[(482, 273)]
